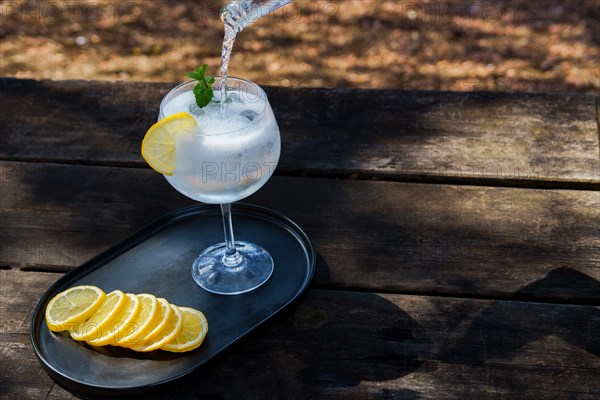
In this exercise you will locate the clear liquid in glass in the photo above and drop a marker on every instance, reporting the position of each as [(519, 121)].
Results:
[(231, 155)]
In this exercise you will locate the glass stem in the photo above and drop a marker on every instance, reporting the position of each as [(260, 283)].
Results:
[(231, 258)]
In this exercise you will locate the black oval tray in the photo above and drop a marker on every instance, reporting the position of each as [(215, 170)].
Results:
[(158, 260)]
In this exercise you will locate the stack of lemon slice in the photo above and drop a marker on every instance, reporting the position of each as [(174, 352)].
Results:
[(140, 322)]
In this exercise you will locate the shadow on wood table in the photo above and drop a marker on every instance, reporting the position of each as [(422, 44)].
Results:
[(457, 234)]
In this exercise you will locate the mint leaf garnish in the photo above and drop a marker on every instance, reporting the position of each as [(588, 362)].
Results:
[(203, 90)]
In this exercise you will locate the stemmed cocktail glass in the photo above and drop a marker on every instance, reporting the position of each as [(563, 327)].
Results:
[(231, 155)]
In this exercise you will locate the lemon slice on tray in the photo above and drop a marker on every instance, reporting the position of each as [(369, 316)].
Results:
[(128, 314), (158, 146), (169, 332), (164, 314), (192, 333), (143, 323), (73, 307), (102, 320)]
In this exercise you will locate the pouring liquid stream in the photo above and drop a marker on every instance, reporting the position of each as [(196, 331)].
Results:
[(236, 16)]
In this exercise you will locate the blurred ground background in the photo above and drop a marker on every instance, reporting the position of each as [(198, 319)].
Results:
[(501, 45)]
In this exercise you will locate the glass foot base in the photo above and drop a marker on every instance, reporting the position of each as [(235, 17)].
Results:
[(212, 274)]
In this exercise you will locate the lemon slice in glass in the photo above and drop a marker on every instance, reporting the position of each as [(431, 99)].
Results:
[(193, 332), (158, 146), (73, 307)]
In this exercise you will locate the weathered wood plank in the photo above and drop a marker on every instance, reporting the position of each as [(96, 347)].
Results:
[(21, 377), (496, 138), (338, 344), (449, 136), (382, 236)]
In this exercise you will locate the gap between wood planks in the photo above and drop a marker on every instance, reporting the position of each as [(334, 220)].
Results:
[(62, 269), (364, 176)]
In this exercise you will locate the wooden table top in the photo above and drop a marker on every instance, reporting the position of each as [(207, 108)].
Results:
[(457, 237)]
